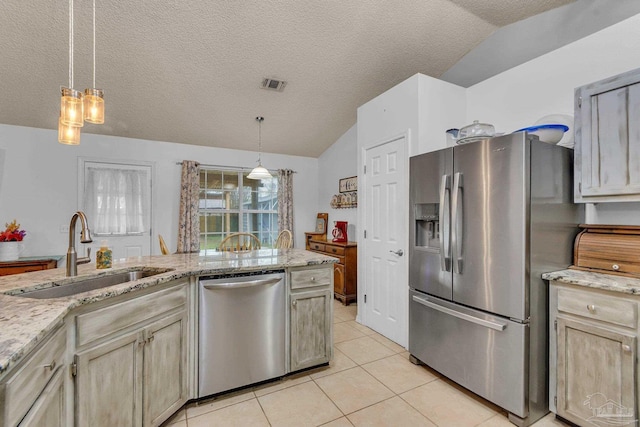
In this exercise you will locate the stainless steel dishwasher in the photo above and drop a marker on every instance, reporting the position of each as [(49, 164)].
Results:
[(241, 330)]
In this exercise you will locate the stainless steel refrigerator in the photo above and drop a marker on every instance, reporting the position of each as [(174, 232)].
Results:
[(486, 220)]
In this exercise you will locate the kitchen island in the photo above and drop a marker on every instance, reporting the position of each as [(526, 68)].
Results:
[(29, 324)]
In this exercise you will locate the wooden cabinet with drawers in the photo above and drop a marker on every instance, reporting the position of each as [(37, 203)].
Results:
[(345, 271), (24, 265), (593, 348)]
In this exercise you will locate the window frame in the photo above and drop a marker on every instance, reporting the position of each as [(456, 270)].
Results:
[(241, 213)]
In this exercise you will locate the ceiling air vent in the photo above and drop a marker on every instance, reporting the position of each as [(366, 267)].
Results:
[(273, 84)]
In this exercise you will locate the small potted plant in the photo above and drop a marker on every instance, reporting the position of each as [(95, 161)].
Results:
[(10, 241)]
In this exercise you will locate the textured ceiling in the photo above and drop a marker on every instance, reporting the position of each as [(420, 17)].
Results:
[(189, 71)]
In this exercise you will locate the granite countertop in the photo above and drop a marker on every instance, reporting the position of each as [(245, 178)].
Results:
[(24, 322), (607, 282)]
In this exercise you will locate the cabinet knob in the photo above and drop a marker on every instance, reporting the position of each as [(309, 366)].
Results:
[(150, 339), (313, 279), (294, 302), (615, 267), (591, 308), (626, 348), (51, 366)]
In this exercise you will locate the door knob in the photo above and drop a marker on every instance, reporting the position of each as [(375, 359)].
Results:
[(399, 252)]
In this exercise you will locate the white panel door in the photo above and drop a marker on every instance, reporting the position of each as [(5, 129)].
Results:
[(385, 211)]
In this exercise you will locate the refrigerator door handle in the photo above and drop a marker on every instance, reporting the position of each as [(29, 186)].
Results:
[(482, 322), (456, 220), (444, 217)]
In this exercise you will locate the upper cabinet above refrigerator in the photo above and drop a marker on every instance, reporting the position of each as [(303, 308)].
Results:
[(607, 134)]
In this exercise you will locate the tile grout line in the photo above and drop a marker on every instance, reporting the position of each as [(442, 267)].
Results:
[(262, 409)]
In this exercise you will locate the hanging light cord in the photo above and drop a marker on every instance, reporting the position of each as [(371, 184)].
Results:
[(70, 44), (94, 44), (259, 141), (259, 119)]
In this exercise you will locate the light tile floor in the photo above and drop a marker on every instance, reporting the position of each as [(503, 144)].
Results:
[(369, 382)]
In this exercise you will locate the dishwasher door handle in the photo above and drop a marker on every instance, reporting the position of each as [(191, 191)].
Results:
[(245, 284)]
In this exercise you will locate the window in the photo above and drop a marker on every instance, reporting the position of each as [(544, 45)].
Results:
[(231, 203), (117, 198)]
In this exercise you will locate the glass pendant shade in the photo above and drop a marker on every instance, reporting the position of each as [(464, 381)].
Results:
[(94, 106), (71, 107), (259, 172), (69, 135)]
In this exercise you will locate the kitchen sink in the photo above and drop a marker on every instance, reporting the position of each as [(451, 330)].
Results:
[(61, 289)]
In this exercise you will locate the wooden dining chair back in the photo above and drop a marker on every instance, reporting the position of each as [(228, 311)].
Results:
[(163, 246), (239, 242), (284, 240)]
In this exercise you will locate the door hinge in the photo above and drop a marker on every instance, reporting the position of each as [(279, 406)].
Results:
[(365, 234), (74, 366), (365, 298), (580, 187), (555, 400), (365, 169), (579, 102), (555, 325)]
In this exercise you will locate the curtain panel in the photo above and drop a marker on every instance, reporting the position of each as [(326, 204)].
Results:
[(189, 222), (285, 200), (117, 200)]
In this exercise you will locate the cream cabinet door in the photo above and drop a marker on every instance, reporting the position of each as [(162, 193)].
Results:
[(310, 328), (109, 383), (165, 368), (607, 135), (596, 374), (50, 409)]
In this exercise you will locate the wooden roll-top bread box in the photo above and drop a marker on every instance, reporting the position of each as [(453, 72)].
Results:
[(611, 249)]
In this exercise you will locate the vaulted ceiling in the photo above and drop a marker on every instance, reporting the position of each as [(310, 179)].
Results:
[(190, 71)]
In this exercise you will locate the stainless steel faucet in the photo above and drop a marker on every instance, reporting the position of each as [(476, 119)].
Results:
[(85, 237)]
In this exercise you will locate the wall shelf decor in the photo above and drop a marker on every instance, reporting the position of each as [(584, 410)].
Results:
[(348, 194), (345, 200)]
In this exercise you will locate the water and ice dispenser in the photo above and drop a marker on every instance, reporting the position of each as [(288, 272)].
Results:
[(427, 225)]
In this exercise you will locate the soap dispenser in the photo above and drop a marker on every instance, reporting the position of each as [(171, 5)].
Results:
[(103, 256)]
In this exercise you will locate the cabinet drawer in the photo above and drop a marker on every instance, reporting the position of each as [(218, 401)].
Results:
[(316, 246), (598, 307), (311, 277), (22, 390), (334, 250), (105, 321)]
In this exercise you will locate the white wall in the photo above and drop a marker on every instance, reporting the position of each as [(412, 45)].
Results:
[(421, 107), (38, 181), (337, 162), (520, 96)]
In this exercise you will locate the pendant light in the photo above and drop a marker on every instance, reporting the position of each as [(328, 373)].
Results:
[(259, 172), (94, 98), (71, 104), (69, 135)]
